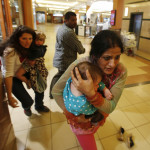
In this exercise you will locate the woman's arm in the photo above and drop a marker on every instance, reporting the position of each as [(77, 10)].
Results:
[(8, 85), (87, 88), (8, 68), (116, 90), (96, 99), (84, 86), (20, 75), (58, 88)]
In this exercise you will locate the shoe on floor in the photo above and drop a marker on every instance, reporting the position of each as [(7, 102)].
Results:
[(42, 109), (28, 112), (121, 134), (129, 141), (51, 96)]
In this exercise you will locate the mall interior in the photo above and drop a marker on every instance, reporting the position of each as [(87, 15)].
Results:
[(50, 131)]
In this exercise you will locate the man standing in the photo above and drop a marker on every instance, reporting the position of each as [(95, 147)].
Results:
[(66, 48)]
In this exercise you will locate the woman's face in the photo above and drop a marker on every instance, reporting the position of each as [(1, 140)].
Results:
[(25, 40), (109, 60)]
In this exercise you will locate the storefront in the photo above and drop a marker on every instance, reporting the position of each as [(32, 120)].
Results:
[(11, 16)]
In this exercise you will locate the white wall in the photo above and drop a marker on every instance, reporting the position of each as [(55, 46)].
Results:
[(144, 43)]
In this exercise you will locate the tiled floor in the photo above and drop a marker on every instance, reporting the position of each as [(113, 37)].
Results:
[(50, 131), (143, 54)]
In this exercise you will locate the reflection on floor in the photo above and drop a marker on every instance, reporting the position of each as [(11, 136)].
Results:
[(50, 131), (143, 54)]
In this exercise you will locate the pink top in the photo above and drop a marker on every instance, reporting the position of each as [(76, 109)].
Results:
[(114, 82)]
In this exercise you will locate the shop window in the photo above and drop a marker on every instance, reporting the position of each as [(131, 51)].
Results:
[(40, 16), (15, 13)]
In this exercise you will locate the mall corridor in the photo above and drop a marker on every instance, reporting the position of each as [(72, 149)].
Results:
[(50, 131)]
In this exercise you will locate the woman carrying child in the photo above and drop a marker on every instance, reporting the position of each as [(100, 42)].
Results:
[(13, 52), (106, 48), (37, 80), (76, 102)]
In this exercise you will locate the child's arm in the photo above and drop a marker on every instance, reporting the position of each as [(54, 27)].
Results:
[(20, 75), (107, 93), (74, 91), (105, 90)]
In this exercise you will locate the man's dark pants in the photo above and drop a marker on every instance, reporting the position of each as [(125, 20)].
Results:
[(54, 80)]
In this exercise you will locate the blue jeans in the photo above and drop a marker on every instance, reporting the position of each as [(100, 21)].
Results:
[(23, 96)]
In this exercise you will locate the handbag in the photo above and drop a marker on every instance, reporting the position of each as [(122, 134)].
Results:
[(41, 83)]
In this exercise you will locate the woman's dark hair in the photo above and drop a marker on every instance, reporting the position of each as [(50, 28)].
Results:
[(69, 14), (13, 40), (104, 40)]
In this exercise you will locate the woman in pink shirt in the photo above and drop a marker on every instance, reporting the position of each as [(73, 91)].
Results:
[(106, 49)]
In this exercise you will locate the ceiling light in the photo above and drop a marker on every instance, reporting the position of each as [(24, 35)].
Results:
[(106, 14), (57, 3), (126, 11), (80, 11), (53, 6), (58, 15), (56, 9), (101, 6)]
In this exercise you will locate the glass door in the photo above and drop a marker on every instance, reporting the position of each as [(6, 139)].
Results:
[(6, 23), (16, 13)]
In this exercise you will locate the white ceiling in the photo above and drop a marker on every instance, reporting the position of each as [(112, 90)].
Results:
[(65, 5)]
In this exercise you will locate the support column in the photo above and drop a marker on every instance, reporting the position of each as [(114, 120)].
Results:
[(8, 19), (78, 17), (118, 5), (101, 17), (28, 13), (87, 19), (2, 21)]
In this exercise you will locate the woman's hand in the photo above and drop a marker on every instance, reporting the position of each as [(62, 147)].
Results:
[(28, 83), (82, 119), (13, 102), (84, 86)]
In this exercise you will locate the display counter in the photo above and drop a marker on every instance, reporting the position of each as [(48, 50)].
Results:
[(83, 30), (90, 30)]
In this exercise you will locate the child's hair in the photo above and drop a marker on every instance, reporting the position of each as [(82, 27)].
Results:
[(36, 52), (93, 70), (40, 36)]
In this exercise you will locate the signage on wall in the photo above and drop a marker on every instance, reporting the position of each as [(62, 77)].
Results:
[(113, 17)]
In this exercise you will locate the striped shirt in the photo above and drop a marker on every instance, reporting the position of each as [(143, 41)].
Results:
[(66, 48)]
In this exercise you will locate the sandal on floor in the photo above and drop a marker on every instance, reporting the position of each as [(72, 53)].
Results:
[(129, 141), (121, 134)]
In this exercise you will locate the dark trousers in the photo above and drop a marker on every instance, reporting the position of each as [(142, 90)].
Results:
[(54, 80), (23, 96)]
